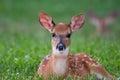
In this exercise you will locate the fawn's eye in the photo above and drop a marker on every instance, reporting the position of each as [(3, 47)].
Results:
[(53, 34), (68, 35)]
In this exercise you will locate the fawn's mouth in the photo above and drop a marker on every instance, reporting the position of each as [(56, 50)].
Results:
[(61, 51)]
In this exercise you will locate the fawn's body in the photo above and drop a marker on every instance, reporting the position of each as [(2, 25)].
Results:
[(62, 64)]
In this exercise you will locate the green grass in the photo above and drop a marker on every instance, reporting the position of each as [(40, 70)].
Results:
[(23, 43)]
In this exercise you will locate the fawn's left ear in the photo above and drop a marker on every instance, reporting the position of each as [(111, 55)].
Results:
[(77, 22), (46, 21)]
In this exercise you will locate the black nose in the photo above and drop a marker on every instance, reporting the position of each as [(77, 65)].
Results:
[(60, 47)]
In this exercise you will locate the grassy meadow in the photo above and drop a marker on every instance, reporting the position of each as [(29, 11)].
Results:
[(23, 43)]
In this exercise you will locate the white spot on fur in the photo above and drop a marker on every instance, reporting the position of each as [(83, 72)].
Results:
[(81, 68), (90, 59), (76, 57), (83, 59), (93, 64), (69, 68), (86, 61), (85, 55)]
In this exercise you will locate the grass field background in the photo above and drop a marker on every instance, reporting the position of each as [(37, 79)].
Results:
[(23, 43)]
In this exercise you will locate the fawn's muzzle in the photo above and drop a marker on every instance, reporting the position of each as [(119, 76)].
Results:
[(60, 46)]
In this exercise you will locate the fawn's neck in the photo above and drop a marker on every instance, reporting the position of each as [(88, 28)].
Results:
[(60, 64)]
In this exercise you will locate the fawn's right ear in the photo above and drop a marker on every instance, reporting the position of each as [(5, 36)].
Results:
[(46, 21)]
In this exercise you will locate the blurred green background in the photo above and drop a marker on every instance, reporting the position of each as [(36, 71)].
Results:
[(23, 43)]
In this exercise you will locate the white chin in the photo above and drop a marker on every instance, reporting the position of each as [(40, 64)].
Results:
[(63, 52)]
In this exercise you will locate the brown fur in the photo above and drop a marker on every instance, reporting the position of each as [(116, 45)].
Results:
[(65, 64)]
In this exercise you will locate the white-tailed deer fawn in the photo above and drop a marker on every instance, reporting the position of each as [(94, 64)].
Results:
[(60, 63), (102, 24)]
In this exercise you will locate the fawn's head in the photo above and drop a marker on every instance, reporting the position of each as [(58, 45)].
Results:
[(61, 32)]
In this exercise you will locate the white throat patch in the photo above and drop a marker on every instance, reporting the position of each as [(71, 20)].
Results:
[(60, 66)]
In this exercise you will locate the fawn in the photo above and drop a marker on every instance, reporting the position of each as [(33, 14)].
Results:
[(102, 24), (60, 63)]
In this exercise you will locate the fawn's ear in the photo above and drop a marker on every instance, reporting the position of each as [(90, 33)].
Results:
[(46, 21), (93, 18), (77, 22), (111, 17)]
